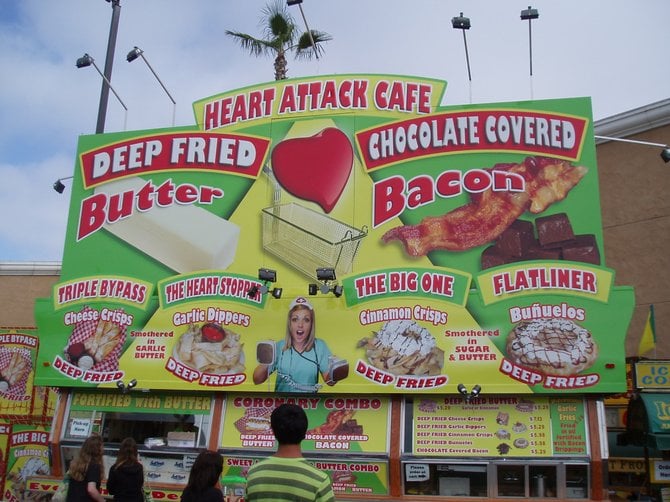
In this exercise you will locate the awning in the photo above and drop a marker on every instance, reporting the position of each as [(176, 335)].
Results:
[(659, 441), (619, 446), (658, 413), (648, 421)]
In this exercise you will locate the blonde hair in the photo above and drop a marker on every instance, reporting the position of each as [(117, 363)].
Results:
[(90, 453), (288, 341)]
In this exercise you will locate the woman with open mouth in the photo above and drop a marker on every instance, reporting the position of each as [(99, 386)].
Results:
[(300, 357)]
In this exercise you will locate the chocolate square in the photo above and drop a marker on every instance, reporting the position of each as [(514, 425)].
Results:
[(583, 249), (516, 238), (554, 229), (537, 252), (491, 257)]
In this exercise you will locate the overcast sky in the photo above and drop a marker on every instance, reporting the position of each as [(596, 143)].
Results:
[(614, 51)]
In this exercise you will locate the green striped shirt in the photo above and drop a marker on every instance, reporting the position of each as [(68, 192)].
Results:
[(289, 479)]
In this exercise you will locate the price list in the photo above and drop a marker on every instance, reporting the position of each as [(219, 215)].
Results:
[(506, 426)]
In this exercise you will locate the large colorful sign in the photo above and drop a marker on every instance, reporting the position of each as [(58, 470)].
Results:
[(337, 424), (28, 456), (18, 350), (367, 477), (652, 375), (427, 245)]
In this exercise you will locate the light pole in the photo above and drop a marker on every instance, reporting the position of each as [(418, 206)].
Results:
[(111, 44), (463, 23), (309, 32), (135, 53), (530, 14)]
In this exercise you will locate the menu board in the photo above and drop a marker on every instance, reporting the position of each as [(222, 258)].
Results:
[(369, 477), (499, 426), (336, 424)]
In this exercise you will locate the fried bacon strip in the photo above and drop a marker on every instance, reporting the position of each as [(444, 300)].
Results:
[(490, 213), (334, 420)]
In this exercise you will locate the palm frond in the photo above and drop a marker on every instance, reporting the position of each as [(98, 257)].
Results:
[(304, 50), (280, 30), (277, 22), (255, 46)]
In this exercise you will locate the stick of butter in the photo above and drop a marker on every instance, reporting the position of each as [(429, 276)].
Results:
[(183, 237)]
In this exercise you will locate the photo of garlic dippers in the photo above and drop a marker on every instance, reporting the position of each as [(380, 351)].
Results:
[(96, 345), (403, 348), (15, 366), (210, 348)]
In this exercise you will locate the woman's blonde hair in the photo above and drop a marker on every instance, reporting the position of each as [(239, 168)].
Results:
[(90, 453), (288, 342)]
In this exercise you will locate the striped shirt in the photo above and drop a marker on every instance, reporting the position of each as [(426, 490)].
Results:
[(287, 479)]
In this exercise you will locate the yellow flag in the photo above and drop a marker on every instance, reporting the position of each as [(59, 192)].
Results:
[(648, 339)]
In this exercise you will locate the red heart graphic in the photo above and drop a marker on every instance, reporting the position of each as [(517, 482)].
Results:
[(315, 168)]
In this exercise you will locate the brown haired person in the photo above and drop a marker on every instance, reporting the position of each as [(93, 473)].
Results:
[(86, 472), (287, 475), (203, 480), (126, 477)]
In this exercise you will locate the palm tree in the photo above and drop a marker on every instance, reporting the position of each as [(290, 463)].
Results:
[(280, 32)]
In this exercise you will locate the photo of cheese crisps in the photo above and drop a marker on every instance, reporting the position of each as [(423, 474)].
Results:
[(15, 367), (210, 348), (96, 345)]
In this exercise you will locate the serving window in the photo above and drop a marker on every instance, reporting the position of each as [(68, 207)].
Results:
[(497, 447), (169, 429), (496, 479), (153, 421)]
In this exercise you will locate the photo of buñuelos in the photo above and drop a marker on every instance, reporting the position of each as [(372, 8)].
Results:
[(552, 346)]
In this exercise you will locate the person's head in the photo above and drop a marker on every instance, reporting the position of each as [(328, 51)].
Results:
[(205, 471), (90, 453), (92, 448), (300, 325), (127, 451), (289, 423)]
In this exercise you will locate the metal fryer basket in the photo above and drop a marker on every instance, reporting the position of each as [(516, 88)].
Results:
[(308, 240)]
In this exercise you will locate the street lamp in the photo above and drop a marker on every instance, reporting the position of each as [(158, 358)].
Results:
[(135, 53), (309, 32), (58, 184), (85, 61), (529, 14), (463, 23), (665, 153)]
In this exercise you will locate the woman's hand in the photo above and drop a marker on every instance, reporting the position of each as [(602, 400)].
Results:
[(326, 378), (93, 492), (261, 373)]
